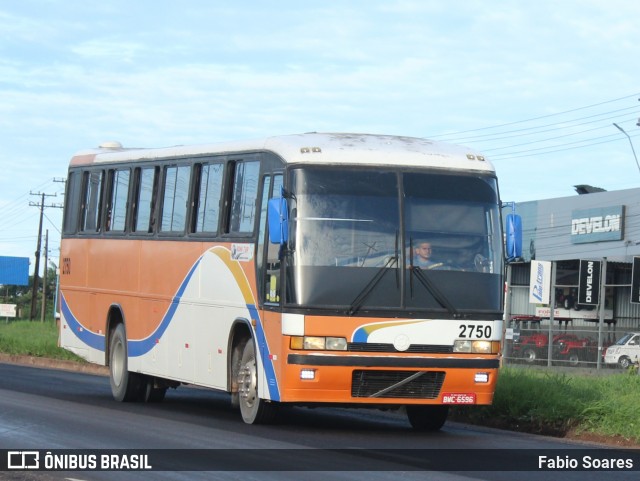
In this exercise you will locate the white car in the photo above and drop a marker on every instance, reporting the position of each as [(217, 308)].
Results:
[(625, 351)]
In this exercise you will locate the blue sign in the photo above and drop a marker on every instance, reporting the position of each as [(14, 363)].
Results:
[(514, 236), (597, 225), (14, 271)]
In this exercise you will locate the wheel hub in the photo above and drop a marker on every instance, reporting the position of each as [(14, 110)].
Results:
[(247, 384)]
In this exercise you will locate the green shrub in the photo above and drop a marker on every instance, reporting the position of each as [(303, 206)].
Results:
[(556, 403), (32, 338)]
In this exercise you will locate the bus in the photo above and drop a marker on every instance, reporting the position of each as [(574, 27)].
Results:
[(284, 271)]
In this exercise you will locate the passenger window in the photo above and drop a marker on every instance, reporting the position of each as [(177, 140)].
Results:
[(71, 203), (118, 200), (176, 195), (243, 200), (145, 198), (91, 203), (208, 197)]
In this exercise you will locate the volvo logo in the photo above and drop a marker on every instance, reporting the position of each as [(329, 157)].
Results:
[(401, 342)]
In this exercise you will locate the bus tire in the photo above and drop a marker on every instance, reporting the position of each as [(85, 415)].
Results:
[(150, 392), (125, 386), (427, 418), (253, 409)]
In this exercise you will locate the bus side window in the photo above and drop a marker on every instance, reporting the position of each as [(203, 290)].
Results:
[(145, 193), (262, 239), (91, 202), (244, 197), (72, 203), (208, 197), (273, 282), (117, 200), (175, 198)]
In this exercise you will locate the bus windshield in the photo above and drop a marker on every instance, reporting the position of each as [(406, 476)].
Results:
[(364, 240)]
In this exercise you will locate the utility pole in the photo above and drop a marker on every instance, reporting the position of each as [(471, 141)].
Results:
[(34, 291), (44, 275)]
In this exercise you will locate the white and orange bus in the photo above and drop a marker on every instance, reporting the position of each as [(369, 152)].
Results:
[(286, 271)]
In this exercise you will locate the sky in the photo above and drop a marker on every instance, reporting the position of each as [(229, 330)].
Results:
[(535, 86)]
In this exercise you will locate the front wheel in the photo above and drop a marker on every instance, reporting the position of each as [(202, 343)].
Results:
[(530, 355), (574, 359), (125, 386), (254, 410), (624, 362), (427, 418)]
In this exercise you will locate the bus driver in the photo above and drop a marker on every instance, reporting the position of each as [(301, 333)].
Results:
[(422, 256)]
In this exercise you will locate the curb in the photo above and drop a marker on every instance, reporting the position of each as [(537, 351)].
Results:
[(47, 363)]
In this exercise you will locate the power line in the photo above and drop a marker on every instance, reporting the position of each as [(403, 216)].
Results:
[(538, 118), (532, 152), (556, 127), (36, 272), (502, 144)]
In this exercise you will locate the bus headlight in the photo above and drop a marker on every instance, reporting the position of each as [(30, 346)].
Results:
[(481, 347), (318, 343), (336, 344), (476, 347), (462, 346)]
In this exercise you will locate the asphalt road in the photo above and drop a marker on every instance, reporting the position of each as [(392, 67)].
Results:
[(44, 409)]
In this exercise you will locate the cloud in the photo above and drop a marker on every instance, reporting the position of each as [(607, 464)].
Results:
[(73, 74)]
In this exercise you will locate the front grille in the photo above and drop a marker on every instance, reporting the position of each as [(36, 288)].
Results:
[(369, 383), (414, 348)]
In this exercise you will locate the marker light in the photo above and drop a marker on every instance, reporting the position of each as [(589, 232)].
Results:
[(481, 377), (307, 374)]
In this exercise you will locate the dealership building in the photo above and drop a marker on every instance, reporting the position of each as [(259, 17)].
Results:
[(594, 229)]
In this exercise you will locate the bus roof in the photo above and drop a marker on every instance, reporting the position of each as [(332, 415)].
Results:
[(316, 148)]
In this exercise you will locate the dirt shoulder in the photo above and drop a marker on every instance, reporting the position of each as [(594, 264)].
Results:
[(43, 362)]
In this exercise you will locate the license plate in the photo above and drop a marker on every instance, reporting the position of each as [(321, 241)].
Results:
[(459, 398)]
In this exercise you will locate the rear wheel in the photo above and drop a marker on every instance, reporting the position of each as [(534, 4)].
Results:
[(427, 418), (125, 386), (151, 392), (253, 409)]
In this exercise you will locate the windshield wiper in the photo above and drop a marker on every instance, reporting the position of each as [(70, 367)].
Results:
[(437, 294), (359, 301)]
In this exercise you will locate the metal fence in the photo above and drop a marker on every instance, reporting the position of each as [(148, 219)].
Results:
[(531, 342)]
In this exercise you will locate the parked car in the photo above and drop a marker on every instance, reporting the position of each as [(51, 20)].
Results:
[(625, 351)]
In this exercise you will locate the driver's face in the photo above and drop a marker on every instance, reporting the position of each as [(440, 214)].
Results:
[(424, 250)]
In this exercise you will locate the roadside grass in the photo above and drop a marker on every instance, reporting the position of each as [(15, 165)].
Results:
[(560, 404), (32, 338), (528, 400)]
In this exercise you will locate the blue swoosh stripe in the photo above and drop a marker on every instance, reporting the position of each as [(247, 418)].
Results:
[(91, 339), (135, 348), (142, 346), (267, 362)]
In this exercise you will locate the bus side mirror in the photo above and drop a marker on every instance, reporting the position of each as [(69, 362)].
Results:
[(278, 215), (514, 236)]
